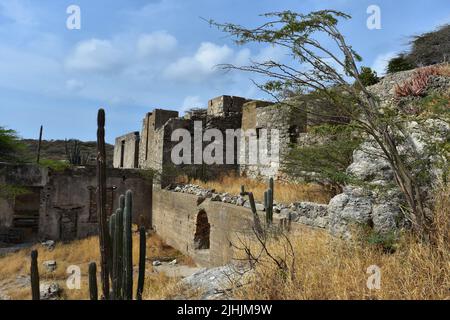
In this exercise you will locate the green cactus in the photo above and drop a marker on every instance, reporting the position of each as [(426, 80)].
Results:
[(105, 242), (243, 193), (256, 221), (34, 275), (127, 248), (269, 208), (117, 255), (142, 253), (272, 186), (93, 290)]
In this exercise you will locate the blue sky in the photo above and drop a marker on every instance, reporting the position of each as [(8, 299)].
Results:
[(136, 55)]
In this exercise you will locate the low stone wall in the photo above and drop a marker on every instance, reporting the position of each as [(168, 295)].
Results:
[(178, 218)]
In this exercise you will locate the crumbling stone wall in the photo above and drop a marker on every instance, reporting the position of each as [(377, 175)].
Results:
[(126, 151), (67, 207), (224, 105), (148, 148), (290, 123)]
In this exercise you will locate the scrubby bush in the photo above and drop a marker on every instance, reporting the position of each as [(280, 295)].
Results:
[(368, 77), (399, 63)]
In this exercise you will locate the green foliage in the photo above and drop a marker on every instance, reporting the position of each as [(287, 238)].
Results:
[(368, 77), (400, 63), (328, 159), (431, 47), (388, 242), (11, 149), (55, 165), (11, 191)]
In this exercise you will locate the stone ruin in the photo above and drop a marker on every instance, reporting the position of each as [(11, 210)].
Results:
[(152, 149)]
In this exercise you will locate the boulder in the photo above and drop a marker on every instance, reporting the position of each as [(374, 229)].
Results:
[(49, 291)]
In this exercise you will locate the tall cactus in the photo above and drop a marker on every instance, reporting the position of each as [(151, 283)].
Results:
[(127, 248), (256, 221), (142, 253), (117, 254), (112, 231), (93, 290), (105, 242), (34, 276), (268, 202)]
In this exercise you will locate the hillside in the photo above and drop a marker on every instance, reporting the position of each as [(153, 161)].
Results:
[(55, 149)]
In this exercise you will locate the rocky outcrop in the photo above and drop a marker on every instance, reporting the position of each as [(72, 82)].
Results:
[(379, 203)]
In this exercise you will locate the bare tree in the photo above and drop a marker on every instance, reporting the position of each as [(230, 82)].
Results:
[(323, 62)]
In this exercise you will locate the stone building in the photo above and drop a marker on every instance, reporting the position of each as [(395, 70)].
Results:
[(223, 113)]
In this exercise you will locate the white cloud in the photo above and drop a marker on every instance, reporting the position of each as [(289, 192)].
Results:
[(202, 64), (156, 42), (381, 62), (95, 55)]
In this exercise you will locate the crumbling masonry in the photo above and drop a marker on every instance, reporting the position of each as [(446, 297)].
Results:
[(154, 146)]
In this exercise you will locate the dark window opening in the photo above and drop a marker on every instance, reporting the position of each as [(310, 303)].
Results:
[(293, 134), (258, 133), (26, 213), (122, 154), (202, 231)]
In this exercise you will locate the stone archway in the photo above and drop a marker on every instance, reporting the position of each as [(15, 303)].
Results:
[(202, 231)]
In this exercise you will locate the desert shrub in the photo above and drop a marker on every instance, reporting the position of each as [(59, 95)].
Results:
[(368, 77), (326, 161), (11, 149), (431, 47), (55, 165), (399, 63)]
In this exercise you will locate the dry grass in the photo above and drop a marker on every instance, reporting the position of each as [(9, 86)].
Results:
[(81, 253), (328, 268), (284, 192)]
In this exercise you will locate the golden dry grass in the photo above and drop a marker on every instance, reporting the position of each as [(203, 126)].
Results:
[(284, 192), (81, 253), (329, 268)]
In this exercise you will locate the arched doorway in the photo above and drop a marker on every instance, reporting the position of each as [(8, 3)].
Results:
[(202, 231)]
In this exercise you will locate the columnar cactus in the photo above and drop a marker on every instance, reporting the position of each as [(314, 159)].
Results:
[(127, 248), (256, 221), (142, 253), (105, 249), (34, 275), (93, 290), (268, 202)]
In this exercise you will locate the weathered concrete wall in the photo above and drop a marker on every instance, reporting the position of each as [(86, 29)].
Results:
[(290, 123), (67, 209), (175, 217), (126, 151)]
